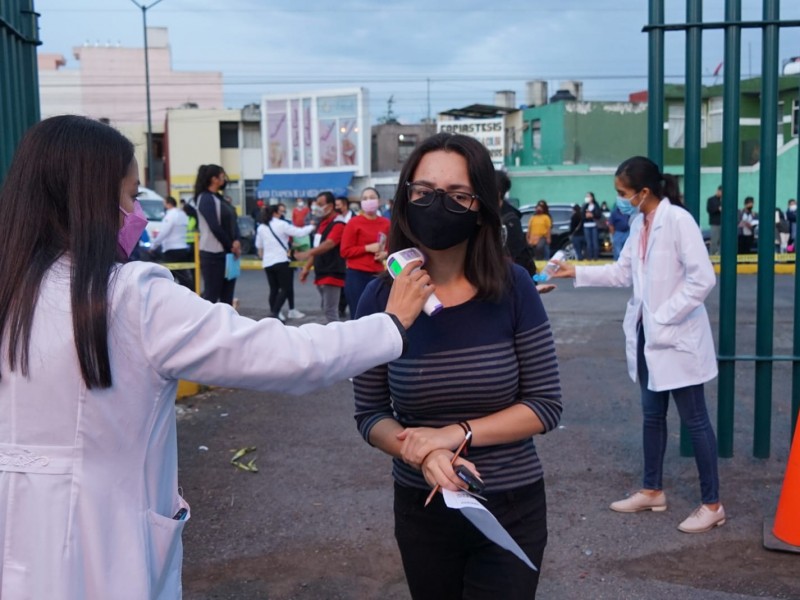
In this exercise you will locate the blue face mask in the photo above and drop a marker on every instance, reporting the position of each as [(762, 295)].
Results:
[(625, 206)]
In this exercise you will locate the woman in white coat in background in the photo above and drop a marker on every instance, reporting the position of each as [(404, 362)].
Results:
[(669, 346), (91, 349)]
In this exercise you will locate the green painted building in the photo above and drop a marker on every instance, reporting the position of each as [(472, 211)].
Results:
[(19, 80), (568, 148), (711, 120), (573, 132)]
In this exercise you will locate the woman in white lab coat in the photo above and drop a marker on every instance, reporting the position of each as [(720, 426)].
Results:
[(91, 349), (669, 346)]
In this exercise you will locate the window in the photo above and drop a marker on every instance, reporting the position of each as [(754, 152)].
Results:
[(228, 134), (251, 135), (536, 135), (676, 119), (715, 120), (406, 142)]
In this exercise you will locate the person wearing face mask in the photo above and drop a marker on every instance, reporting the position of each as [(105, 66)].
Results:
[(273, 244), (619, 226), (484, 364), (364, 247), (540, 227), (342, 207), (324, 256), (91, 351), (218, 233), (748, 221), (668, 340), (591, 216)]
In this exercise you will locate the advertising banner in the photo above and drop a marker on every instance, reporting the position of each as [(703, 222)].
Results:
[(489, 132)]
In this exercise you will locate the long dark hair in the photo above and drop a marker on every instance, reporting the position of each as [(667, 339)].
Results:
[(639, 172), (61, 197), (204, 176), (485, 266)]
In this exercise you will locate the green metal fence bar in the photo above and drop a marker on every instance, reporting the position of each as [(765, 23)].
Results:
[(19, 86), (765, 296), (728, 242), (691, 155), (722, 25), (655, 84)]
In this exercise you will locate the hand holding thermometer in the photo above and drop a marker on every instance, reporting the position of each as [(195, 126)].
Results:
[(400, 259)]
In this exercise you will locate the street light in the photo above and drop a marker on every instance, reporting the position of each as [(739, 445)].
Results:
[(145, 8)]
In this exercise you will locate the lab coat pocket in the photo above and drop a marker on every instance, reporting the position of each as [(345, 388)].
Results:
[(660, 337), (166, 549), (17, 582)]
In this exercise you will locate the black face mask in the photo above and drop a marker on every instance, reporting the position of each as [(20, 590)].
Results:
[(437, 228), (222, 187)]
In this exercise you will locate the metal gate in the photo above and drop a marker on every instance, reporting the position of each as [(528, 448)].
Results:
[(19, 80), (764, 357)]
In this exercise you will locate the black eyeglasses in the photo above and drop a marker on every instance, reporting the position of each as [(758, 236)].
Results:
[(422, 195)]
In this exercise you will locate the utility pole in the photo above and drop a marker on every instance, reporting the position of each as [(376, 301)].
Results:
[(428, 81), (145, 8)]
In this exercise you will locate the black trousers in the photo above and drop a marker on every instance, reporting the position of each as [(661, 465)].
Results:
[(183, 276), (446, 558), (215, 287), (281, 279)]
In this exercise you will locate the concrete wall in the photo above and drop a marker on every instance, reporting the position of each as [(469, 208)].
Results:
[(386, 155), (603, 134)]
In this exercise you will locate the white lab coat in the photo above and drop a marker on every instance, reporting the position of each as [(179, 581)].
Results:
[(89, 478), (668, 295)]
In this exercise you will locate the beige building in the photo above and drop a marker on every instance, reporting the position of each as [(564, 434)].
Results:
[(109, 84), (226, 137)]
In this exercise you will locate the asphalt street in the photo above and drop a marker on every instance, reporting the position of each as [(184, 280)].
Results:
[(315, 521)]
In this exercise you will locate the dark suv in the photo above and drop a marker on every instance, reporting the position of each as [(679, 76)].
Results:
[(560, 233)]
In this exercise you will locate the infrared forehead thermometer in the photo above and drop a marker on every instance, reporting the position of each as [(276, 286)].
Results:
[(400, 259)]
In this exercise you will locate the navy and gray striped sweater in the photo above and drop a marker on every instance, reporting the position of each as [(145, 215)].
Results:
[(466, 362)]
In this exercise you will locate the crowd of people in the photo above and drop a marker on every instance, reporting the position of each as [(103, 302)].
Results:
[(471, 386)]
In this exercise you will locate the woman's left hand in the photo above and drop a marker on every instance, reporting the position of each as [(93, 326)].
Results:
[(419, 442), (437, 470)]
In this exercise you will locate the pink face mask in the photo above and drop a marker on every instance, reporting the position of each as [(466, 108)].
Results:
[(370, 205), (132, 227)]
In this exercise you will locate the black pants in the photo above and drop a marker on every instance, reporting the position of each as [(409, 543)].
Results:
[(215, 287), (746, 243), (280, 278), (446, 558), (183, 276)]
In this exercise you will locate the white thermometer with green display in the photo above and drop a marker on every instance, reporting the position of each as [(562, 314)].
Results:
[(400, 259)]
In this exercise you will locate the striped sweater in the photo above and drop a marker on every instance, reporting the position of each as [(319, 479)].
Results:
[(466, 362)]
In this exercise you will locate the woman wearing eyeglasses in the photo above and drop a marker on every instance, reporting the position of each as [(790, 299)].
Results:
[(91, 350), (484, 364)]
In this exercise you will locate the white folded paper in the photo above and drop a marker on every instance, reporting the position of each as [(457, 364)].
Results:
[(486, 522)]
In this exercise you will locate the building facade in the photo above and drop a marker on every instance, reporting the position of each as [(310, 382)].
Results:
[(109, 84), (711, 121)]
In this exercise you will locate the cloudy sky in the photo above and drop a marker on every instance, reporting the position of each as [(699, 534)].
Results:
[(449, 52)]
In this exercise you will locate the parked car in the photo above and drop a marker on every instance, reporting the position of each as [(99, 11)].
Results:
[(560, 233), (153, 206), (247, 233)]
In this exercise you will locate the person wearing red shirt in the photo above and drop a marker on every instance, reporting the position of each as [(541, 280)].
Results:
[(363, 247), (325, 258), (300, 213)]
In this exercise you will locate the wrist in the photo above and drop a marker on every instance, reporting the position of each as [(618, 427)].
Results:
[(400, 328), (465, 429)]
